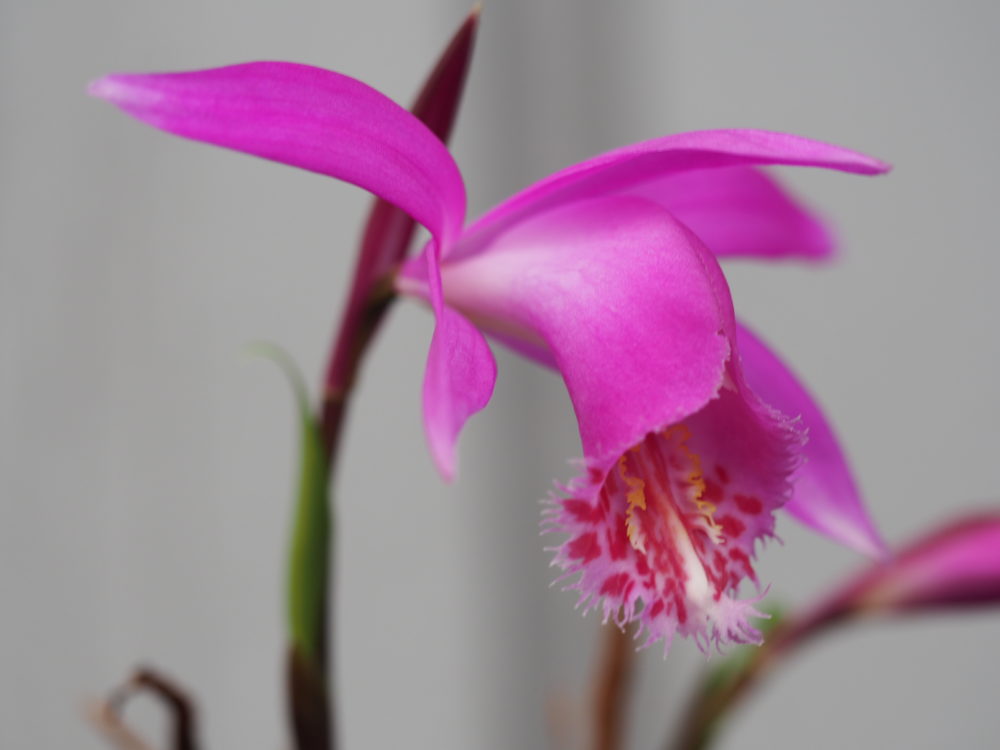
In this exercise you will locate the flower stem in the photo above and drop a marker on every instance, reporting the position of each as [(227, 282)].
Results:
[(387, 237), (611, 689), (718, 695)]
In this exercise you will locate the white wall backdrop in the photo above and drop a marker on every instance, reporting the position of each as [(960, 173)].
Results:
[(146, 462)]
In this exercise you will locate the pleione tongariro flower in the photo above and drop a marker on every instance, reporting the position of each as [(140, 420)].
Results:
[(954, 566), (693, 432)]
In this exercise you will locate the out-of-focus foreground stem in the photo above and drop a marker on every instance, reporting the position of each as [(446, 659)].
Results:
[(956, 566), (716, 696), (612, 685)]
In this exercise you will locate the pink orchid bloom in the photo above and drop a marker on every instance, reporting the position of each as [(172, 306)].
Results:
[(956, 565), (606, 272)]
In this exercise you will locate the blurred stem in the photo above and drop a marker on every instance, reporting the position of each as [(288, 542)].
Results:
[(387, 237), (723, 689), (715, 698), (612, 688)]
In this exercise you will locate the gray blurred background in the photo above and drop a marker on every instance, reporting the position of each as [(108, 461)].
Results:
[(146, 461)]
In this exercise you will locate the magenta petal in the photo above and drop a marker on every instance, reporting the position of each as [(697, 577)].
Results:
[(617, 291), (825, 497), (684, 465), (740, 212), (306, 117), (631, 166), (460, 374), (458, 382), (958, 564)]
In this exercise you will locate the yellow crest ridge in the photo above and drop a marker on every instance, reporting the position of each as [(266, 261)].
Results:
[(636, 498), (695, 478)]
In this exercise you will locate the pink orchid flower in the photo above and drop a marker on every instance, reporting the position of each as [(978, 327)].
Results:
[(955, 565), (606, 272)]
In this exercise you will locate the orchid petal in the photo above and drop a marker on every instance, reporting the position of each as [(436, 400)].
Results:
[(631, 166), (740, 212), (826, 497), (305, 117), (332, 124), (616, 290), (389, 231), (459, 378), (955, 565), (684, 465)]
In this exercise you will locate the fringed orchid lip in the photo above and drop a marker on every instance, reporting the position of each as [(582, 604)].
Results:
[(633, 311), (667, 533), (600, 272)]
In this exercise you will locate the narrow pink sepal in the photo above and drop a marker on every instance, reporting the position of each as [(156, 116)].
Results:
[(825, 496), (741, 212), (305, 117), (459, 377), (458, 382), (629, 167)]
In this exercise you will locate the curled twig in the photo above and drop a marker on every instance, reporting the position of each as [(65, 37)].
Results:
[(107, 718)]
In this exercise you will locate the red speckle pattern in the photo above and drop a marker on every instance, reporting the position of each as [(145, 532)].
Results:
[(675, 564), (749, 505), (584, 547)]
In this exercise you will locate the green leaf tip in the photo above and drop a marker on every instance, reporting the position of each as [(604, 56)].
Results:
[(309, 545)]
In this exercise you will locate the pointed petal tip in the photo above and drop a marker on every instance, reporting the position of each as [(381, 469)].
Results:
[(877, 167), (458, 382), (869, 165), (823, 243), (445, 458), (853, 526), (841, 518), (103, 88), (131, 93), (871, 545)]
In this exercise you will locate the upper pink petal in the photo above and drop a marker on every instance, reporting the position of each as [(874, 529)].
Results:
[(825, 497), (332, 124), (616, 290), (740, 212), (631, 166), (306, 117)]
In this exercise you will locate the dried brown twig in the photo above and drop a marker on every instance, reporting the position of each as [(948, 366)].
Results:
[(107, 718)]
